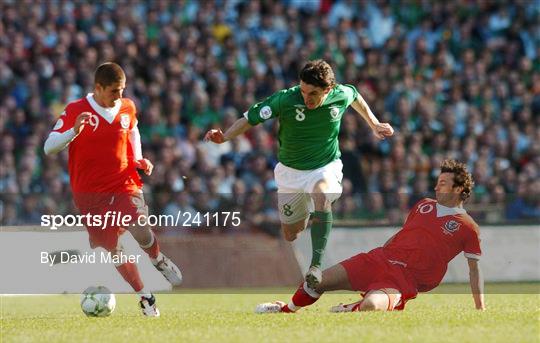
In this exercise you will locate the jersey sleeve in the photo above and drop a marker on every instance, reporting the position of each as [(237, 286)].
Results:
[(132, 112), (472, 243), (265, 110), (351, 93), (135, 151), (414, 210), (66, 120)]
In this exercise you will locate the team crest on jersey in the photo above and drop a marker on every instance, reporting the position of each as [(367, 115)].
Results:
[(451, 226), (265, 112), (334, 113), (124, 121)]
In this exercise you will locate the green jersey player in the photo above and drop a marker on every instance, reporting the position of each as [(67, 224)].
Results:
[(309, 171)]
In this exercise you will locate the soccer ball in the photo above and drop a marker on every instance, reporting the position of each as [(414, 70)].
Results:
[(97, 301)]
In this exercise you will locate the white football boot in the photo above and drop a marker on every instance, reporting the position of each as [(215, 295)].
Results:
[(275, 307), (148, 306), (346, 307), (169, 270)]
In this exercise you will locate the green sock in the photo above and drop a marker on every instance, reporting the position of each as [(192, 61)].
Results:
[(320, 230)]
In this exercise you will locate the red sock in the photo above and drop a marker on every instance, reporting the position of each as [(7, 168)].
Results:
[(153, 249), (304, 296), (130, 273)]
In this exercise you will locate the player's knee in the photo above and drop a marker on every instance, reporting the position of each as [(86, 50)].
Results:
[(289, 236), (142, 234), (374, 302), (322, 202), (291, 231)]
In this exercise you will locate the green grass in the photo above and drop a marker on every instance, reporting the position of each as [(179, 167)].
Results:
[(447, 316)]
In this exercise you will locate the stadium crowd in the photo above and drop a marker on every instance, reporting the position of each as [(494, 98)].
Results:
[(456, 79)]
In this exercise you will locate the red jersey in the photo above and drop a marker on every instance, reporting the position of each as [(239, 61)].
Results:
[(101, 157), (430, 238)]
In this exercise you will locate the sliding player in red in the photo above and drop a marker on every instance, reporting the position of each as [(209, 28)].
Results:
[(104, 155), (414, 260)]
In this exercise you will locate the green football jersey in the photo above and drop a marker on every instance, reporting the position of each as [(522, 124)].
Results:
[(308, 139)]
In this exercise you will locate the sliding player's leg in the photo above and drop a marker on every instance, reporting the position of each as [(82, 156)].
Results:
[(384, 299), (334, 278), (385, 286)]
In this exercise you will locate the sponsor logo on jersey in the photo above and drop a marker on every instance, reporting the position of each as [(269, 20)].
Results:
[(450, 227), (59, 124), (94, 121), (403, 264), (265, 112), (124, 121)]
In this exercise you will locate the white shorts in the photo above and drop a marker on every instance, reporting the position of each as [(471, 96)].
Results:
[(295, 188)]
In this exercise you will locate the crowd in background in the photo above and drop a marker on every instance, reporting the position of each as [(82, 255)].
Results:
[(457, 79)]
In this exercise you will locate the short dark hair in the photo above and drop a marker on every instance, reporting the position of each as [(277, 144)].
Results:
[(318, 73), (109, 73), (462, 178)]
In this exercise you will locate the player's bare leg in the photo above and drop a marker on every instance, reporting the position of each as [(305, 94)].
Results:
[(377, 300), (130, 273), (291, 231), (148, 242), (333, 278), (320, 230)]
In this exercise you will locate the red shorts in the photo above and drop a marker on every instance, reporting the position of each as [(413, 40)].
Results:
[(372, 271), (110, 209)]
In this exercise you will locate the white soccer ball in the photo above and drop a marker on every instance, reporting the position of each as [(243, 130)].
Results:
[(97, 301)]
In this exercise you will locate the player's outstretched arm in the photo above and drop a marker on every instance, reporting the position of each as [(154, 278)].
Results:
[(380, 130), (477, 283), (57, 141), (217, 136)]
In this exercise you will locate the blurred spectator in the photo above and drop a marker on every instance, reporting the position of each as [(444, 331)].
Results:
[(457, 79)]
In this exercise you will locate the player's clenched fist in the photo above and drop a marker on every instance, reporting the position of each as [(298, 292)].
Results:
[(383, 130), (145, 165), (215, 136), (81, 119)]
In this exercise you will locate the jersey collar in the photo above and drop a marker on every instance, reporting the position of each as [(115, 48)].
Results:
[(327, 96), (108, 113), (449, 211)]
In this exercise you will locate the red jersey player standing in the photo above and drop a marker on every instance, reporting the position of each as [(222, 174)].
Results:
[(414, 260), (104, 155)]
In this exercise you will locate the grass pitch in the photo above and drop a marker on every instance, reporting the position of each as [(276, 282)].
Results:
[(446, 316)]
